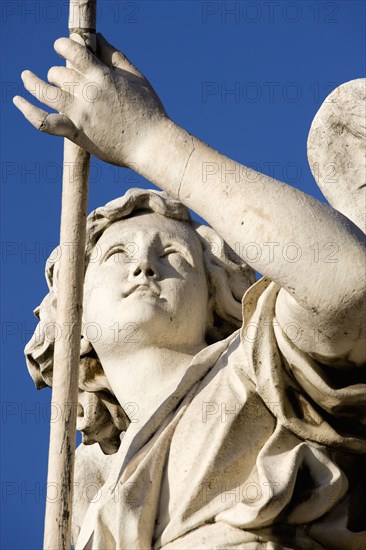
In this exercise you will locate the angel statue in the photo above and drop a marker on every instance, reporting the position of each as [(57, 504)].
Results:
[(216, 411)]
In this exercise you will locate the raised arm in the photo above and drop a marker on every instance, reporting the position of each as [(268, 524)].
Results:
[(313, 252)]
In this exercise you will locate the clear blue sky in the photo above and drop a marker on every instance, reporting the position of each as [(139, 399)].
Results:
[(246, 77)]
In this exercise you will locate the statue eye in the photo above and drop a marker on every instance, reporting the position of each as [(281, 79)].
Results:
[(114, 251), (169, 251)]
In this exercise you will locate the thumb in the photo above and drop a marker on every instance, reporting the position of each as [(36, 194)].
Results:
[(113, 58)]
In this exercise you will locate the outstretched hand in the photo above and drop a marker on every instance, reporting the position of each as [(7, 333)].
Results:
[(104, 104)]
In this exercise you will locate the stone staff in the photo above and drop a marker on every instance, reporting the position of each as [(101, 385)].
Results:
[(57, 534)]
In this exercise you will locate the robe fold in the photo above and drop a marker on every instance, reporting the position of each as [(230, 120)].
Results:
[(257, 448)]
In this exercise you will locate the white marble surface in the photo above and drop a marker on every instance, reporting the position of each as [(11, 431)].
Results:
[(239, 431)]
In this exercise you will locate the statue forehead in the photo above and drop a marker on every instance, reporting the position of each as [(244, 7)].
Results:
[(150, 223)]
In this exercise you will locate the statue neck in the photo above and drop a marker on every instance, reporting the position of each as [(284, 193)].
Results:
[(143, 378)]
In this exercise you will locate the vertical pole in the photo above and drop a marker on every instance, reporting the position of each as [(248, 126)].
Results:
[(57, 534)]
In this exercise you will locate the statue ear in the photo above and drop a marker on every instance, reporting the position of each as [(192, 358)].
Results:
[(85, 346)]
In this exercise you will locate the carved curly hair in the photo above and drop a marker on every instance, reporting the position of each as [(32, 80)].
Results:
[(101, 418)]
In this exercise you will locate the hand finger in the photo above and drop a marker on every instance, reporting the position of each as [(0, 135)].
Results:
[(60, 125), (65, 78), (34, 115), (53, 97), (50, 123), (112, 57), (80, 57)]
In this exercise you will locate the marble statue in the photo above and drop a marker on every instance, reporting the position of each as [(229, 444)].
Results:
[(216, 411)]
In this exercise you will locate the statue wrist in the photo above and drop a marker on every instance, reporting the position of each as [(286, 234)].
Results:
[(162, 155)]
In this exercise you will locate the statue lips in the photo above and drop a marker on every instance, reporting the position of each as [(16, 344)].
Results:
[(152, 288)]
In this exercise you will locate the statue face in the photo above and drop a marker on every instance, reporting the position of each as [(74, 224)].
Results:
[(146, 285)]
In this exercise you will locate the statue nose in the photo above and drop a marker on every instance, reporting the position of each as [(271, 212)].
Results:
[(145, 267)]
